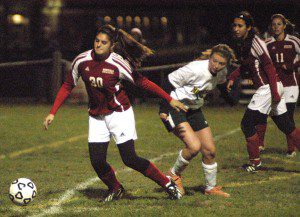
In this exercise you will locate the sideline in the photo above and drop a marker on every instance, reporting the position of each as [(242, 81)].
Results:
[(56, 207)]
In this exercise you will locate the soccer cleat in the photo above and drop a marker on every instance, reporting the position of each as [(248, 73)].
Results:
[(261, 149), (251, 168), (178, 181), (291, 154), (216, 191), (172, 189), (115, 194)]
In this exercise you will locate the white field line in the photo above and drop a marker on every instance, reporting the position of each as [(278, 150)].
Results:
[(39, 147), (56, 208)]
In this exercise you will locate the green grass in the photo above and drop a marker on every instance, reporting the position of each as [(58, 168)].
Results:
[(57, 166)]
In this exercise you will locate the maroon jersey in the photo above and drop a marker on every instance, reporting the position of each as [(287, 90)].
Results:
[(286, 53), (102, 82), (257, 65)]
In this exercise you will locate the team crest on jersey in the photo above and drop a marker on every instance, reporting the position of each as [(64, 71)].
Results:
[(108, 71), (87, 69), (287, 46)]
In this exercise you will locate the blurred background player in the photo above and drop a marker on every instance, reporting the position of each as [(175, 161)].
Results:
[(284, 50), (110, 112), (268, 98), (189, 84)]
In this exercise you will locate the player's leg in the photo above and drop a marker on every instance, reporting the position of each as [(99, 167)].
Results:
[(291, 148), (284, 123), (261, 128), (144, 166), (122, 127), (177, 123), (208, 150), (291, 94), (98, 142), (252, 140)]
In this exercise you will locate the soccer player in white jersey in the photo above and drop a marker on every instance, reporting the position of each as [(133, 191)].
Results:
[(190, 84), (284, 50), (257, 65), (110, 112)]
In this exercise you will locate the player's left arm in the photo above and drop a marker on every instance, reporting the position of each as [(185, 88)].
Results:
[(259, 50)]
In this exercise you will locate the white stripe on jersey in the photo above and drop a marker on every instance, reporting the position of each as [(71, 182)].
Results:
[(257, 71), (118, 103), (122, 65), (120, 58), (77, 61), (295, 41)]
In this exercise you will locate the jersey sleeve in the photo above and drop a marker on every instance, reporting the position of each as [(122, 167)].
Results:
[(297, 49), (124, 68), (66, 89), (259, 51), (182, 76)]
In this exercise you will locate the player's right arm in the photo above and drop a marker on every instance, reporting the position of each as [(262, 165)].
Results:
[(63, 93)]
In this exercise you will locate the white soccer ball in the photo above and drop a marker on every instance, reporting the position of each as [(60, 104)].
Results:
[(22, 191)]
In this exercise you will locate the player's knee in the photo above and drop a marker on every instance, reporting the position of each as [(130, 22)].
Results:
[(209, 154), (194, 150)]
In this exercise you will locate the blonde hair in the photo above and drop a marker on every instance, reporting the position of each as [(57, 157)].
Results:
[(223, 49)]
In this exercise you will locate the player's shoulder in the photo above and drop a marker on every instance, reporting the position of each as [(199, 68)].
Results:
[(293, 39), (270, 40), (84, 56), (119, 62)]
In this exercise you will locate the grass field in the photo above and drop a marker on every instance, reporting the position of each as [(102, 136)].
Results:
[(57, 161)]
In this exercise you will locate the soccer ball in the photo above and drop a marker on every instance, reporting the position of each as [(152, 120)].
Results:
[(22, 191)]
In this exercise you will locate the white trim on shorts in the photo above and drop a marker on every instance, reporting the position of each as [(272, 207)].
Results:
[(262, 101), (291, 94), (119, 125)]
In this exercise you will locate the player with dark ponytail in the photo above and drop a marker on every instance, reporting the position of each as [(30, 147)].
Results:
[(115, 57)]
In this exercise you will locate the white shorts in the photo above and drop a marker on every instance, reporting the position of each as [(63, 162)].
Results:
[(262, 101), (119, 125), (291, 94)]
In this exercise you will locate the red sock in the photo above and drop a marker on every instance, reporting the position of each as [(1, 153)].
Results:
[(290, 144), (152, 172), (261, 131), (252, 148), (295, 138), (110, 180)]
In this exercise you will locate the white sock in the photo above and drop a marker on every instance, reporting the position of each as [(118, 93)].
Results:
[(210, 174), (179, 165)]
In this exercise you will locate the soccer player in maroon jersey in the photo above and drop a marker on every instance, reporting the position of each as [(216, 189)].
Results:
[(110, 112), (257, 65), (284, 50)]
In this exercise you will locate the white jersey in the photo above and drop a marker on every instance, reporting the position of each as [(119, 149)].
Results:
[(193, 81)]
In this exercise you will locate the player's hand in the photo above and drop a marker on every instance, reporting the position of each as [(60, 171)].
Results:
[(229, 85), (163, 116), (48, 120), (178, 105)]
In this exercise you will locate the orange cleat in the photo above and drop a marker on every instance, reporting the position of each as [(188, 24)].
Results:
[(216, 191), (178, 181)]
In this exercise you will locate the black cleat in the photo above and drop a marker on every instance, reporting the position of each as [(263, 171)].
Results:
[(251, 168), (115, 195), (172, 189)]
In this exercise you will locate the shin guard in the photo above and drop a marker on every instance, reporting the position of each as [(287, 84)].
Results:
[(253, 149)]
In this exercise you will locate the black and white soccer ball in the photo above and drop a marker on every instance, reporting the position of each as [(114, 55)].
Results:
[(22, 191)]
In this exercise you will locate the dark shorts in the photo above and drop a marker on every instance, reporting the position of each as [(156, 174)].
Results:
[(194, 117)]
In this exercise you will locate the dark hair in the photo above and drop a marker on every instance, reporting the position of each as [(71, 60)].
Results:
[(246, 16), (126, 46), (290, 27)]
